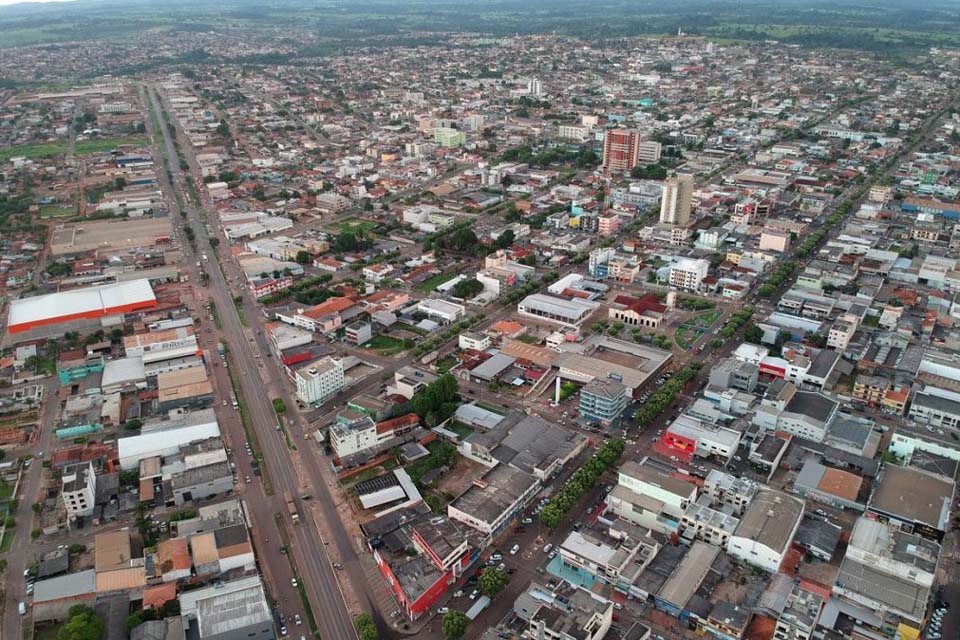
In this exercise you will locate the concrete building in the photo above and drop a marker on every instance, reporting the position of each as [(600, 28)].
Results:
[(677, 200), (319, 381), (571, 313), (650, 497), (725, 490), (799, 618), (916, 499), (688, 273), (442, 310), (763, 537), (493, 500), (621, 150), (351, 435), (648, 152), (235, 610), (161, 345), (616, 556), (78, 490), (603, 401), (888, 574)]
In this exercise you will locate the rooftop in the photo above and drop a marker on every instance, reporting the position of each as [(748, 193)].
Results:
[(770, 519), (913, 495)]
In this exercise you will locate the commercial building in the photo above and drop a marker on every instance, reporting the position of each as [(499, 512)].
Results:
[(731, 373), (581, 617), (442, 310), (688, 273), (800, 616), (918, 500), (616, 556), (688, 437), (650, 497), (888, 573), (319, 381), (621, 150), (235, 610), (935, 407), (80, 304), (677, 201), (603, 401), (78, 490), (425, 557), (493, 500), (727, 490), (164, 344), (763, 537), (352, 434), (571, 313), (831, 486), (163, 442)]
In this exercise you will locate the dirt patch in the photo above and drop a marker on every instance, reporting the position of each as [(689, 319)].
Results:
[(460, 477)]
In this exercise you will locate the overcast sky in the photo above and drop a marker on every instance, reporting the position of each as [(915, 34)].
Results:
[(8, 2)]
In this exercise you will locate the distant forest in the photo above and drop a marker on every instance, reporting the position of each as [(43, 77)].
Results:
[(881, 25)]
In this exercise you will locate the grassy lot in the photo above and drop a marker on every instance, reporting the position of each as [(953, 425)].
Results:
[(385, 345), (50, 149), (100, 145), (58, 211), (6, 490), (430, 284)]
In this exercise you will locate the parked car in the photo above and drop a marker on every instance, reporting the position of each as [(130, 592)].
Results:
[(514, 549), (293, 583), (443, 610)]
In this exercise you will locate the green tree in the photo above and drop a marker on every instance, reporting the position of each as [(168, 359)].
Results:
[(82, 624), (133, 424), (304, 257), (467, 288), (455, 625), (492, 581), (279, 406), (753, 334), (365, 626)]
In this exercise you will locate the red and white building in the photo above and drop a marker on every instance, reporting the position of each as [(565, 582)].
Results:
[(80, 304), (444, 552)]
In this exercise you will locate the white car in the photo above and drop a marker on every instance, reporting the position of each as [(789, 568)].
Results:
[(514, 549), (293, 582), (443, 610)]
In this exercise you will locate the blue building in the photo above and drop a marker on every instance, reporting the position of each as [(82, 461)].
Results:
[(603, 401)]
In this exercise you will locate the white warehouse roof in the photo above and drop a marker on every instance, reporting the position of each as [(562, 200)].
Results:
[(90, 302), (161, 443)]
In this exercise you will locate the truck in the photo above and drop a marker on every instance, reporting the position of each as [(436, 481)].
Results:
[(291, 507)]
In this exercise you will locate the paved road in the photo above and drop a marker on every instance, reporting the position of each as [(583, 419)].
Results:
[(22, 554), (314, 566)]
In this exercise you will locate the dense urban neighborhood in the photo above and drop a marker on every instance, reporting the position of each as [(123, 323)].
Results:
[(529, 336)]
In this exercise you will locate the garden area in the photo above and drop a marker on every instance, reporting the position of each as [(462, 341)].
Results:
[(691, 330), (387, 345)]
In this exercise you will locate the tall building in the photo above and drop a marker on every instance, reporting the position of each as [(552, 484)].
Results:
[(621, 150), (648, 152), (320, 380), (676, 202)]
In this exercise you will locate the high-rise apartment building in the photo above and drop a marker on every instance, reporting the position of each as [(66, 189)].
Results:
[(676, 202), (621, 149)]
